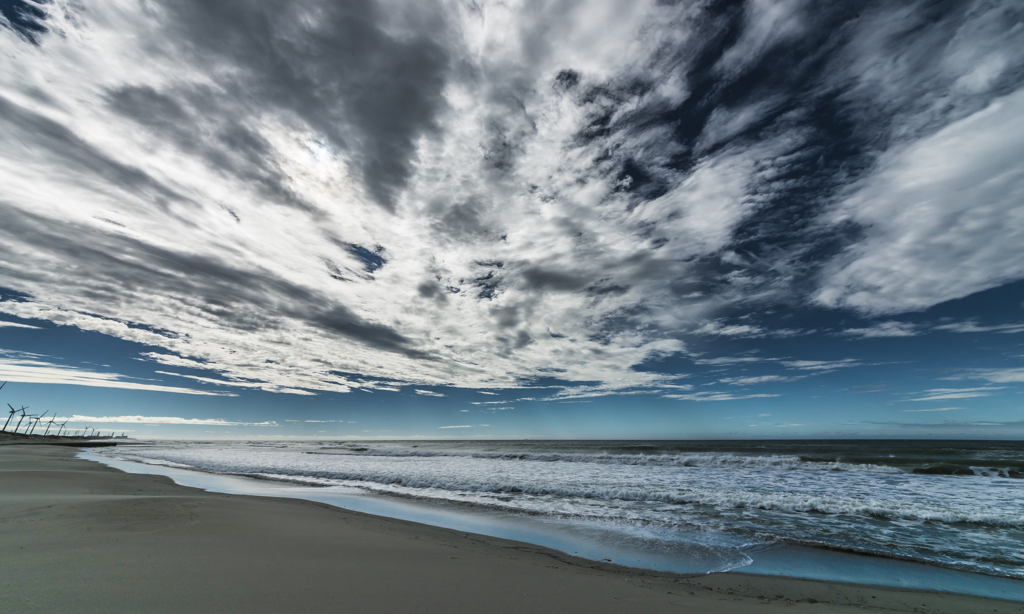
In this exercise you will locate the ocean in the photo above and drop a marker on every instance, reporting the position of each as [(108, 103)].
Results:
[(709, 505)]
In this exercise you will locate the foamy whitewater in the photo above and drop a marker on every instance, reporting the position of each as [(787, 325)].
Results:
[(954, 504)]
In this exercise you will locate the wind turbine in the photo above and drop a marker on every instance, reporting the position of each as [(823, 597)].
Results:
[(22, 410), (49, 424), (10, 415), (61, 427), (38, 418), (28, 423)]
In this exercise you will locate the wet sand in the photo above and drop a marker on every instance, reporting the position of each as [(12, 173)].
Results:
[(77, 536)]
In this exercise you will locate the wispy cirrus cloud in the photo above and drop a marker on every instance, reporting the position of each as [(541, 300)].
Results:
[(161, 420), (17, 325), (730, 360), (17, 367), (931, 409), (999, 376), (757, 379), (884, 329), (716, 396), (939, 394), (428, 393), (821, 366), (972, 326)]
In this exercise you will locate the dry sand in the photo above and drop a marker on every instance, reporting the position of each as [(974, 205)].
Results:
[(77, 536)]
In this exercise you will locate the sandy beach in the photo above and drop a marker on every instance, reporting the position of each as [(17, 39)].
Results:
[(77, 536)]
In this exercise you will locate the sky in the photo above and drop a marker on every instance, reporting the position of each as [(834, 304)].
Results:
[(615, 219)]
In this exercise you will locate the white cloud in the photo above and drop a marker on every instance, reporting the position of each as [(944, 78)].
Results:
[(475, 226), (756, 379), (16, 325), (428, 393), (30, 370), (938, 394), (821, 365), (933, 409), (729, 360), (768, 23), (463, 426), (728, 330), (1000, 376), (717, 327), (177, 163), (884, 329), (161, 420), (972, 326), (942, 217), (716, 396)]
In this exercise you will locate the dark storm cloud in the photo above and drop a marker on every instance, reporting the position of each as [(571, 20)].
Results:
[(368, 79)]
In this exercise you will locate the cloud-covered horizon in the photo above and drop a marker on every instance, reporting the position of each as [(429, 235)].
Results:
[(314, 196)]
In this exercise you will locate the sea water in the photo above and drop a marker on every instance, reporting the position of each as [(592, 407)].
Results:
[(709, 506)]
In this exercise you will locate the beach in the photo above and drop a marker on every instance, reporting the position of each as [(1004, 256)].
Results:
[(78, 536)]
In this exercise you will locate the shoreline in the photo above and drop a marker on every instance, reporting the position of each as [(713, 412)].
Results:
[(83, 536), (780, 560)]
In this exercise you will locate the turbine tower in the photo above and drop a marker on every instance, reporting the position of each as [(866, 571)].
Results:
[(38, 418), (10, 415), (22, 410)]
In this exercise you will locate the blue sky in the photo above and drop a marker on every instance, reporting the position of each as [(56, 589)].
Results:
[(564, 219)]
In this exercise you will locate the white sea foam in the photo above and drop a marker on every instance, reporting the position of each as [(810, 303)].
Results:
[(780, 462), (965, 522)]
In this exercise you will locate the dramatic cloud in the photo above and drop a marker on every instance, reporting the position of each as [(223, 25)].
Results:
[(321, 196), (928, 241)]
